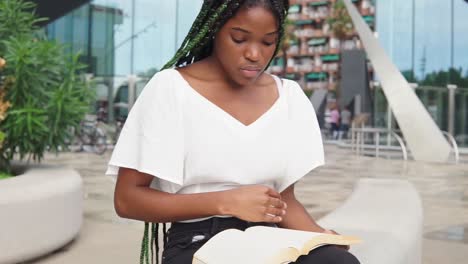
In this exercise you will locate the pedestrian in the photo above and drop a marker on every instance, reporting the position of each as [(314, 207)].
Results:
[(334, 121), (345, 122)]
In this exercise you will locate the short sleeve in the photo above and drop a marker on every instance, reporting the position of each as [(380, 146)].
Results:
[(304, 143), (151, 140)]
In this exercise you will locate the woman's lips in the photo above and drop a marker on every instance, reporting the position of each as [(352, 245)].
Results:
[(250, 73)]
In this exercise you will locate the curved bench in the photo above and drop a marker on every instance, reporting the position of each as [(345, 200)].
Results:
[(387, 215), (40, 211)]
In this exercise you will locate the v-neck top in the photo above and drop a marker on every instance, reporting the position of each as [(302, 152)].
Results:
[(191, 145), (220, 111)]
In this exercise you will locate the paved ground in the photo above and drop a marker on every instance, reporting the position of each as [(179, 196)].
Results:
[(105, 238)]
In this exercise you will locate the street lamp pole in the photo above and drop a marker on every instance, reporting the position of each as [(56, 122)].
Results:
[(413, 40), (176, 25), (452, 58), (452, 51), (451, 108), (132, 44)]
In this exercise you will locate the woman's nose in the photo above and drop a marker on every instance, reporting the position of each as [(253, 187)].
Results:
[(252, 53)]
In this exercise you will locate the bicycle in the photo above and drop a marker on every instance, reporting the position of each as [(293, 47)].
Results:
[(119, 123), (90, 136)]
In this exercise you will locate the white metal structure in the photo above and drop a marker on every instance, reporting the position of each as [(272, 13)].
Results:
[(424, 138)]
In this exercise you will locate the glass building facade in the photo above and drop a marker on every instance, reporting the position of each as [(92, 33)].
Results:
[(123, 37), (124, 42), (424, 36), (428, 41)]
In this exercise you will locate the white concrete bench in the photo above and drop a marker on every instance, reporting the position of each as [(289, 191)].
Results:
[(387, 215), (40, 211)]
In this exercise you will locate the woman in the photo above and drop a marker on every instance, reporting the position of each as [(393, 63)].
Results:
[(217, 143), (335, 121)]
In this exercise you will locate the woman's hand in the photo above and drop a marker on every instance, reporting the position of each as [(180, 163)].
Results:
[(255, 203)]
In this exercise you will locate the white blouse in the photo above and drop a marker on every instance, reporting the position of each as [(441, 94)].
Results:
[(190, 145)]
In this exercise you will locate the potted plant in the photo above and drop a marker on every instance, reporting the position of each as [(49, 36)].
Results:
[(43, 95), (44, 86)]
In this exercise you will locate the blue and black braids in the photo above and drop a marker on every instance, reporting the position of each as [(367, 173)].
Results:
[(197, 45)]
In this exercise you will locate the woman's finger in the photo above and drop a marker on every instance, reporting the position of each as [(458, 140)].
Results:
[(275, 211), (275, 202), (271, 218), (273, 193)]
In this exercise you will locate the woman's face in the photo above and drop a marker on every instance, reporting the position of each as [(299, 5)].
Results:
[(246, 43)]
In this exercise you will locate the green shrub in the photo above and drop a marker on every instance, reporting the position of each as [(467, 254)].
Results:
[(4, 175), (48, 94)]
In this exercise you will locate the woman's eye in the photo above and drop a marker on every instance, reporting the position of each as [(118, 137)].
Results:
[(268, 43), (238, 40)]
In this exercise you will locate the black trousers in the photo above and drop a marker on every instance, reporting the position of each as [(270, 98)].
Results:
[(184, 239)]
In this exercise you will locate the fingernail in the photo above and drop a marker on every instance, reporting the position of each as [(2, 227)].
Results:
[(285, 205), (283, 212), (280, 219)]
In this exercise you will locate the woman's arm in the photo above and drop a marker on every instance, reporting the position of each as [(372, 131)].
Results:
[(133, 198), (297, 217)]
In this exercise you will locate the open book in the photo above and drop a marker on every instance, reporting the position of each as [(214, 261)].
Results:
[(264, 245)]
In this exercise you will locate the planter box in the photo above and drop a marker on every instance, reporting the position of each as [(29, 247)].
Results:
[(41, 210)]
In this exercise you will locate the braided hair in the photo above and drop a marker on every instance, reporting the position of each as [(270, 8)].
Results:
[(198, 45)]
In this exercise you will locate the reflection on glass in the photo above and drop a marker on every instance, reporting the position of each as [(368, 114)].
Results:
[(72, 30), (118, 38), (395, 32), (432, 36), (103, 21)]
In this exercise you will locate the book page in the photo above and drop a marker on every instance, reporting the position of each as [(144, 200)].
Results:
[(261, 245), (281, 240), (328, 239), (283, 237)]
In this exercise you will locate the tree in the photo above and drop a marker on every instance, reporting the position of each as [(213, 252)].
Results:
[(288, 38), (340, 22), (341, 25), (409, 76), (442, 78)]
